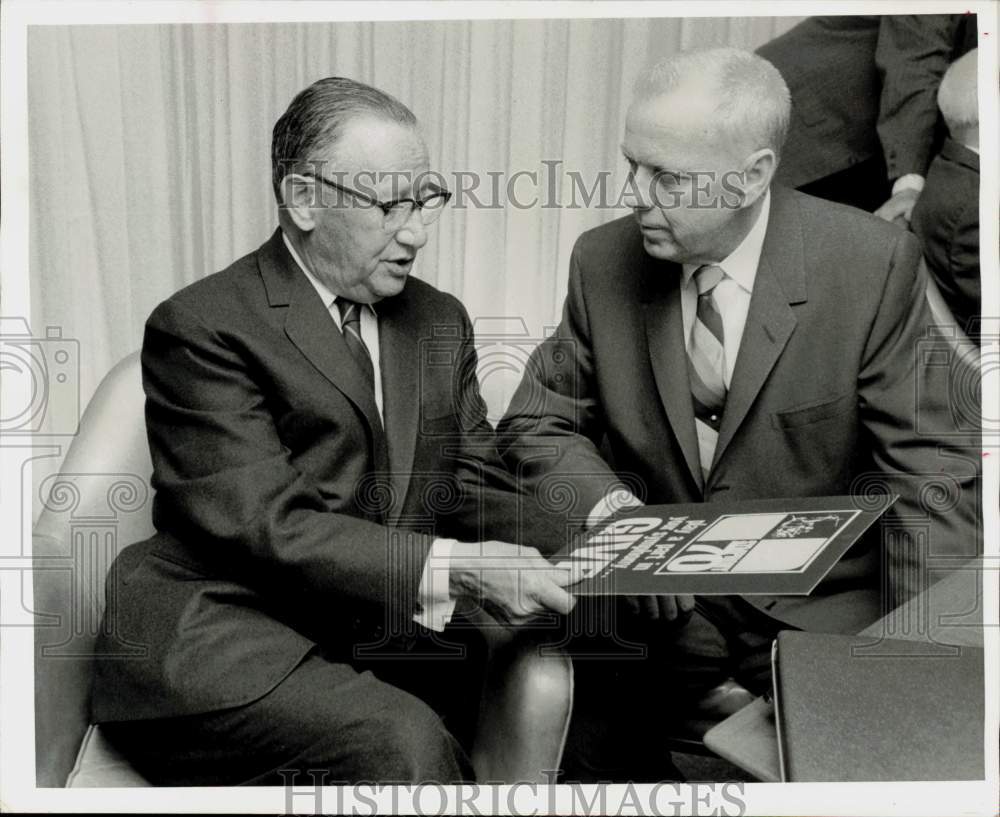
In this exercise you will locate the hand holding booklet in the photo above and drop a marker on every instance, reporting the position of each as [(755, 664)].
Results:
[(766, 546)]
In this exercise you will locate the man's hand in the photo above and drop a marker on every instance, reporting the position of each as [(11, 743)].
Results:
[(512, 583), (899, 208), (661, 608)]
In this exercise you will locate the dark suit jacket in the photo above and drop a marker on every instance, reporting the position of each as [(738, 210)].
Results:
[(946, 220), (834, 392), (286, 516), (865, 86)]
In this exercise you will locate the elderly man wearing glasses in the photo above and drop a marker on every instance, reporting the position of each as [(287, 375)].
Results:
[(325, 477)]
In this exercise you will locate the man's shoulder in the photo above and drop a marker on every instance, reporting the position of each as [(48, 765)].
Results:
[(953, 175), (844, 257), (608, 239), (829, 223), (609, 255), (218, 290)]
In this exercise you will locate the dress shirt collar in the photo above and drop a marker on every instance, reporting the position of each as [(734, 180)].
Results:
[(328, 298), (741, 264)]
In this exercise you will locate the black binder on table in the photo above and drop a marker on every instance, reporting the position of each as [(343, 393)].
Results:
[(846, 710)]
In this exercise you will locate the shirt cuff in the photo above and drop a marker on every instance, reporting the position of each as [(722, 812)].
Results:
[(911, 181), (617, 500), (436, 604)]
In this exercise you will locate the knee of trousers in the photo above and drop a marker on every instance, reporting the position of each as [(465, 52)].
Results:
[(407, 742)]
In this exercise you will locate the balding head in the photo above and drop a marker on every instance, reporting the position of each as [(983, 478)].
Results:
[(958, 98)]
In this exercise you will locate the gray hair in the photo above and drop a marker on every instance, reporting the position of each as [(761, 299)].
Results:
[(958, 93), (316, 118), (754, 102)]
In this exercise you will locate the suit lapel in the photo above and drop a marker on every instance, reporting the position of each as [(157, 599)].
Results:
[(309, 326), (399, 350), (668, 355), (780, 282)]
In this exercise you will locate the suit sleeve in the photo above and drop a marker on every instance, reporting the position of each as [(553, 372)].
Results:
[(550, 433), (494, 504), (964, 294), (912, 54), (919, 403), (227, 488)]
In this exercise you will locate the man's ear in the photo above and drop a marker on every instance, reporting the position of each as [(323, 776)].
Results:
[(299, 196), (758, 170)]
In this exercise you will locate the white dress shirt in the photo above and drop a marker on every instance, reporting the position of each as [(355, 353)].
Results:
[(436, 604), (732, 296)]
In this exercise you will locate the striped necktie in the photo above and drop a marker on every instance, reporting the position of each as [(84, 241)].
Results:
[(350, 325), (707, 364)]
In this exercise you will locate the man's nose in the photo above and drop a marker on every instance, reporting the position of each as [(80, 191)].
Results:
[(414, 232)]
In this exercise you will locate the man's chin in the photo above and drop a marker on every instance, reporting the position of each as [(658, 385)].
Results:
[(391, 284), (660, 249)]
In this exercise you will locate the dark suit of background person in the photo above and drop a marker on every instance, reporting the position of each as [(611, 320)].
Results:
[(864, 113), (276, 602), (946, 220)]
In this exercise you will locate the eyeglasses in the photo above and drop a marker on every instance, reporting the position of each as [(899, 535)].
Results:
[(396, 213)]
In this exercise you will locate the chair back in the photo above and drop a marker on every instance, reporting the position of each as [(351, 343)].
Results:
[(99, 502)]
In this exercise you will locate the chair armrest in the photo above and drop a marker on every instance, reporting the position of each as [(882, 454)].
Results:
[(525, 712), (63, 665)]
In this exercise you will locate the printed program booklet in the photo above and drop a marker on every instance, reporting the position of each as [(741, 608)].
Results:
[(768, 546)]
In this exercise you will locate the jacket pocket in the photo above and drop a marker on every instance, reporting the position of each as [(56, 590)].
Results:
[(814, 412)]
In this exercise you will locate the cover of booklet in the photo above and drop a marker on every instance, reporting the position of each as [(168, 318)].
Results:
[(768, 546)]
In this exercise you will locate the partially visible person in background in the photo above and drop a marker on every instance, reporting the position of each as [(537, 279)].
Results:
[(865, 123), (946, 217)]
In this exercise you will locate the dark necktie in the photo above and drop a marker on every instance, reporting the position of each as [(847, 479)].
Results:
[(373, 488), (350, 325), (707, 363)]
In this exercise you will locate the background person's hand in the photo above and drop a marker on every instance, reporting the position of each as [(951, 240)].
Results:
[(899, 208), (513, 584), (661, 608)]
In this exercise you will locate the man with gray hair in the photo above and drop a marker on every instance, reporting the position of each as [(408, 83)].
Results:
[(324, 476), (733, 340)]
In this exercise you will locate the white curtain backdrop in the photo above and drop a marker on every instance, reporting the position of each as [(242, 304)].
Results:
[(149, 152)]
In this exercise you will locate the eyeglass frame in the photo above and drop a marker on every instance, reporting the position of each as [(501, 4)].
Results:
[(386, 206)]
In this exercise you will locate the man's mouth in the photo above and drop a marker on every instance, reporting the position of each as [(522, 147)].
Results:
[(400, 263)]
